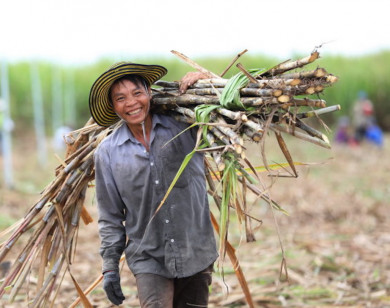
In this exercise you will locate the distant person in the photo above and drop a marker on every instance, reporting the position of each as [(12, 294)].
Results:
[(363, 113), (364, 122), (374, 134), (343, 132)]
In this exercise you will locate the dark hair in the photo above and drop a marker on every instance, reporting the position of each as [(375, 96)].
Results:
[(136, 79)]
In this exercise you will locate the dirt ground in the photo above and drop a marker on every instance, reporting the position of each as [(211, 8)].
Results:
[(336, 238)]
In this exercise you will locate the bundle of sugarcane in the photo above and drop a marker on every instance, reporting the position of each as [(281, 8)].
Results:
[(249, 104), (54, 220)]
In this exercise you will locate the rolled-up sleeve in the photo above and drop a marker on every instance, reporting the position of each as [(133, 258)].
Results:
[(111, 211)]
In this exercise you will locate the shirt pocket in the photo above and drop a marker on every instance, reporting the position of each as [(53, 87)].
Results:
[(172, 159)]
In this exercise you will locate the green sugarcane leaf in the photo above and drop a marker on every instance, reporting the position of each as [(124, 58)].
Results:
[(202, 115), (224, 206), (179, 172), (230, 96)]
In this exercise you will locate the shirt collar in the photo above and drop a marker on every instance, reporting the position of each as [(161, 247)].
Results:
[(124, 133)]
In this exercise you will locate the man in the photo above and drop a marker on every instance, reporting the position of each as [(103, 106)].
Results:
[(171, 252)]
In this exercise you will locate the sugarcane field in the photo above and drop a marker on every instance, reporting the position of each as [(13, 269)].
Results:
[(298, 195)]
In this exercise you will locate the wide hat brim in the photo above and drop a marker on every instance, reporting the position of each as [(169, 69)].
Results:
[(99, 104)]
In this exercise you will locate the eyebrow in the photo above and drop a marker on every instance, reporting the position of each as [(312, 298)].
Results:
[(137, 87), (117, 94)]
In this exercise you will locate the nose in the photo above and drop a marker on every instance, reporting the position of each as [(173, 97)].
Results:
[(131, 100)]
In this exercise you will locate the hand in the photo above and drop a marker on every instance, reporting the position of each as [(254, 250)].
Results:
[(189, 79), (112, 287)]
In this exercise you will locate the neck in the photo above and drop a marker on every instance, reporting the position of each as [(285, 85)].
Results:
[(138, 131)]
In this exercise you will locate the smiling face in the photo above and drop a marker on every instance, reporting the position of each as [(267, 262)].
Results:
[(131, 101)]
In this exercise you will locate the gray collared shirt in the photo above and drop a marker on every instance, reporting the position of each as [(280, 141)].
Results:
[(130, 184)]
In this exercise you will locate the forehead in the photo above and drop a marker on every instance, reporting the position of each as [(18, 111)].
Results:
[(124, 84)]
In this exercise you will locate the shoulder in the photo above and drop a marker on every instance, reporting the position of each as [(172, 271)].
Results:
[(109, 142), (171, 123)]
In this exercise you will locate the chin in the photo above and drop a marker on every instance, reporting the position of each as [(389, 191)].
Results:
[(135, 121)]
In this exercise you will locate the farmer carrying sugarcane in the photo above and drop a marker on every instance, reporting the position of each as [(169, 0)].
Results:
[(170, 252)]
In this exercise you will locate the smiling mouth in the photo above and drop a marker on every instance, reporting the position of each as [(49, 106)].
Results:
[(134, 112)]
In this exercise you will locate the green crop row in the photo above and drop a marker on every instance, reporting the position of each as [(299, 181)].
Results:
[(368, 73)]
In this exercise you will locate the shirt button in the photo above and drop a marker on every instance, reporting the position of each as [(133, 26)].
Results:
[(172, 240), (152, 163), (167, 221), (157, 181)]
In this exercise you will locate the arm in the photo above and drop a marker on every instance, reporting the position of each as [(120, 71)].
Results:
[(111, 213), (111, 229), (189, 79)]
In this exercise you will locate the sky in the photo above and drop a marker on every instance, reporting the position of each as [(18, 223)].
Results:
[(83, 31)]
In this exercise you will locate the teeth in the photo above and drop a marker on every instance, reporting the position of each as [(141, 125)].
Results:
[(134, 112)]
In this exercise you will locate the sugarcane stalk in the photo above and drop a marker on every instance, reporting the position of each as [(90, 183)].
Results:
[(295, 121), (72, 178), (77, 192), (204, 91), (246, 73), (260, 101), (194, 64), (185, 111), (53, 273), (236, 266), (167, 84), (275, 83), (218, 198), (286, 152), (234, 60), (317, 103), (332, 79), (256, 127), (85, 216), (260, 92), (217, 133), (72, 155), (236, 116), (316, 113), (252, 134), (38, 235), (250, 91), (214, 81), (23, 272), (185, 99), (183, 118), (290, 65), (44, 260), (216, 155), (89, 147), (317, 73), (305, 137), (188, 99), (303, 89), (223, 127), (16, 234)]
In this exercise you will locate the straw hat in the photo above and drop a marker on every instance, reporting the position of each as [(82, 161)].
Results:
[(99, 104)]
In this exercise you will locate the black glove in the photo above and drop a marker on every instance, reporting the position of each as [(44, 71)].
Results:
[(112, 287)]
